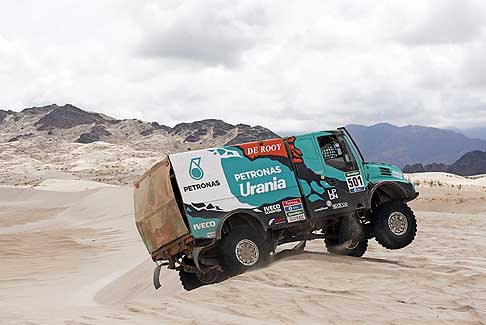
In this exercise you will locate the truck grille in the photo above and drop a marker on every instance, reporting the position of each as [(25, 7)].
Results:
[(385, 171)]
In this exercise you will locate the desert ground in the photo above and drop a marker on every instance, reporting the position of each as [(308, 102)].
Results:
[(70, 254)]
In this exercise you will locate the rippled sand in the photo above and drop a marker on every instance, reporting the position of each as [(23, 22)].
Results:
[(74, 256)]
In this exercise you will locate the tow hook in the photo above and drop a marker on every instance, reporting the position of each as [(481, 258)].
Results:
[(156, 278)]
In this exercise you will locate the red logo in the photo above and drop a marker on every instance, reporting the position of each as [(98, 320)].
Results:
[(291, 202), (274, 147)]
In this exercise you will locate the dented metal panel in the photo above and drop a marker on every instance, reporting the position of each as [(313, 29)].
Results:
[(158, 218)]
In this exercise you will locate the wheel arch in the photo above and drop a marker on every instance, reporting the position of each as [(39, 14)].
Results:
[(240, 217), (386, 191)]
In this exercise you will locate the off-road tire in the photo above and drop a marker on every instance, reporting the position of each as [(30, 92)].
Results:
[(383, 233), (191, 281), (227, 249), (342, 234)]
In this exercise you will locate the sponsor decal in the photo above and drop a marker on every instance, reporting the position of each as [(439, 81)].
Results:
[(248, 189), (195, 170), (332, 194), (211, 234), (294, 210), (201, 186), (244, 176), (204, 225), (272, 209), (276, 184), (265, 148), (355, 182), (276, 221), (340, 205), (295, 218), (321, 209)]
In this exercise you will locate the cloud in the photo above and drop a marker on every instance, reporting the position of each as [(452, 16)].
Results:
[(209, 32), (445, 22), (289, 66)]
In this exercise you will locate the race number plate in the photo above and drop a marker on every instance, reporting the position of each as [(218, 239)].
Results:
[(355, 182)]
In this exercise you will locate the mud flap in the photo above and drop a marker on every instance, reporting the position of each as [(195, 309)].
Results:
[(156, 279), (357, 234)]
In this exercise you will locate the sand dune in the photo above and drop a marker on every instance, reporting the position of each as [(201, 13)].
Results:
[(70, 254), (439, 179)]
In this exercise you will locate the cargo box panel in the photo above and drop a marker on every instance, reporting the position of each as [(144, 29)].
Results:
[(158, 218)]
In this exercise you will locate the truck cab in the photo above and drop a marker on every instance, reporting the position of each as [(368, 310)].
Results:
[(334, 177)]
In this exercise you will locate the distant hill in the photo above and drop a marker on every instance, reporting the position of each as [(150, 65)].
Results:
[(65, 141), (472, 163), (412, 144), (475, 133)]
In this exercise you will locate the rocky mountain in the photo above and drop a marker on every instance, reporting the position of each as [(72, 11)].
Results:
[(412, 144), (74, 124), (66, 141), (472, 163)]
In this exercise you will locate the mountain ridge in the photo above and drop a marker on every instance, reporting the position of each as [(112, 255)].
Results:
[(471, 163), (412, 144), (91, 126)]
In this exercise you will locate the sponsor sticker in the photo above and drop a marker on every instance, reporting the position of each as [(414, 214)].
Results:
[(272, 209), (321, 209), (340, 205), (195, 170), (201, 186), (294, 210), (355, 182), (247, 188), (204, 225), (332, 194), (265, 148), (276, 221)]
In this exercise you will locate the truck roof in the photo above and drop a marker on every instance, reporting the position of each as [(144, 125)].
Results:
[(320, 133)]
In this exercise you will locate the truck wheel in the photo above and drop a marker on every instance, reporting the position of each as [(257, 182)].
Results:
[(190, 280), (394, 225), (242, 249), (341, 235)]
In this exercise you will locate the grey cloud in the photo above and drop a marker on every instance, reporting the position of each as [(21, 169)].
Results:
[(474, 66), (285, 65), (206, 33), (446, 22)]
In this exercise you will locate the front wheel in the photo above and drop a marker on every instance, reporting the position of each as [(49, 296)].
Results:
[(243, 248), (394, 225)]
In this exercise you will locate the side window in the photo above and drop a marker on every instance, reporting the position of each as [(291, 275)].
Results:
[(336, 153)]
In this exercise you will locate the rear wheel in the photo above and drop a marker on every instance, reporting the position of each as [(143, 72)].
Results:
[(243, 248), (191, 280), (338, 241), (394, 225)]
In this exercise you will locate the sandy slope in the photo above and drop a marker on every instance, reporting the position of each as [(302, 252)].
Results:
[(70, 253)]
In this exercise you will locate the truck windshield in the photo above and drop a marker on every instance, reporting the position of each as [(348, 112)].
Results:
[(336, 153)]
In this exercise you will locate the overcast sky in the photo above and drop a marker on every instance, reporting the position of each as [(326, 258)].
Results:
[(292, 66)]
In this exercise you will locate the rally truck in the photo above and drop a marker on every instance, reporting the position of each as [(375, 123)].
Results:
[(212, 214)]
